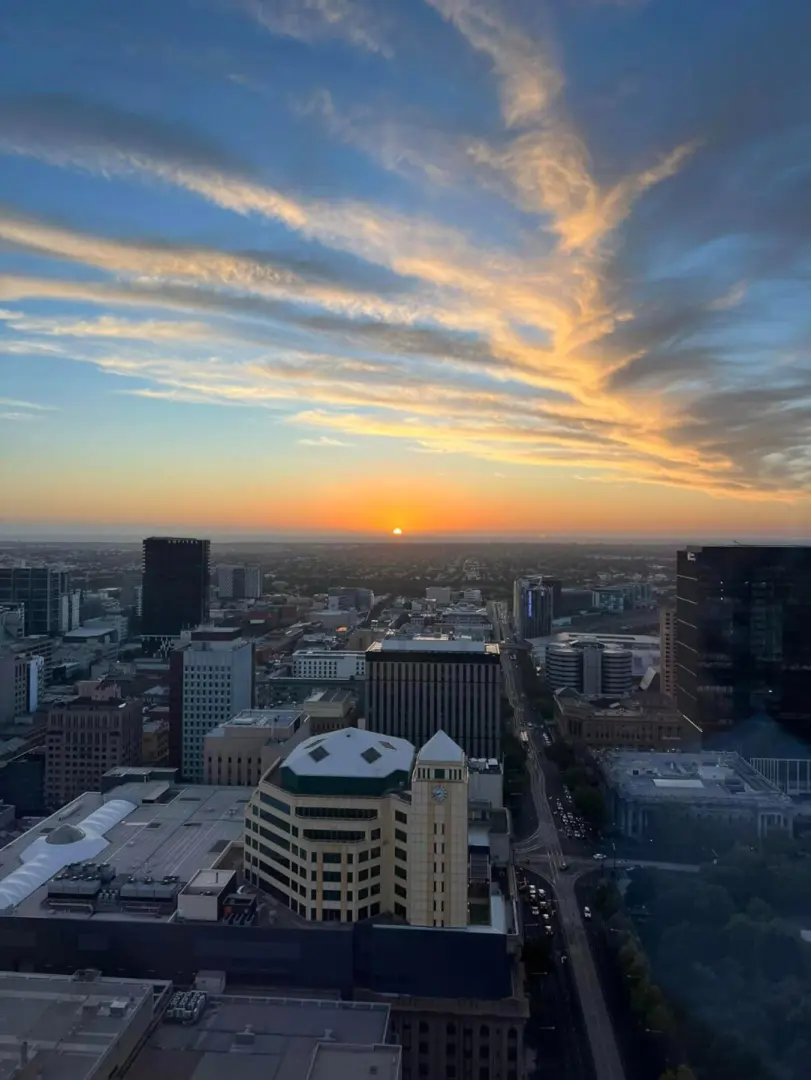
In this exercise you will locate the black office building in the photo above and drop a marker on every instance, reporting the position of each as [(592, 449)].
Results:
[(743, 636), (40, 589), (176, 585)]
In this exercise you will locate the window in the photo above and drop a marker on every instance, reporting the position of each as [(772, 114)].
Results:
[(332, 894), (332, 857), (375, 889), (401, 817), (423, 1048), (423, 1027), (374, 910), (399, 853), (362, 894), (334, 836), (375, 853), (363, 856), (363, 875), (332, 875), (276, 822), (439, 774), (374, 871), (401, 872), (374, 835), (401, 836), (400, 910), (335, 812), (363, 913), (400, 891)]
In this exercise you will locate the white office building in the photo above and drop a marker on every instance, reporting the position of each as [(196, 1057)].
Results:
[(591, 668), (328, 665), (217, 676)]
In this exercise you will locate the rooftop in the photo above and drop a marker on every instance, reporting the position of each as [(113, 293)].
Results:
[(440, 644), (351, 752), (124, 829), (61, 1026), (262, 1038), (274, 719), (441, 747), (690, 777), (337, 694)]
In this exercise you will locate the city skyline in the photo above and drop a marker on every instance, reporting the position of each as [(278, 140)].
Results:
[(465, 269)]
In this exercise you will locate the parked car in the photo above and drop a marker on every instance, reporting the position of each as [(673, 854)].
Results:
[(598, 855), (586, 912)]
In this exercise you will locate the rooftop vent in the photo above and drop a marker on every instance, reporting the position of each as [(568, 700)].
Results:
[(246, 1037)]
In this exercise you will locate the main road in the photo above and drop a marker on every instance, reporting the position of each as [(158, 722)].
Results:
[(544, 848)]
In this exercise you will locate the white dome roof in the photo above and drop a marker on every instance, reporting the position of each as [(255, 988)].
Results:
[(351, 752)]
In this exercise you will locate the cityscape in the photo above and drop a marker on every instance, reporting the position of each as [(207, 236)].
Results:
[(484, 822), (405, 540)]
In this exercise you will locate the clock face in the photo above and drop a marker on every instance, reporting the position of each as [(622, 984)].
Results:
[(439, 794)]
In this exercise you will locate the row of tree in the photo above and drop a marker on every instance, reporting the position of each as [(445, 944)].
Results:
[(715, 966)]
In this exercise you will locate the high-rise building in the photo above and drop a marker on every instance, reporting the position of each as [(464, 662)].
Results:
[(418, 686), (175, 585), (532, 607), (40, 589), (239, 582), (84, 738), (743, 646), (667, 642), (377, 830), (211, 680)]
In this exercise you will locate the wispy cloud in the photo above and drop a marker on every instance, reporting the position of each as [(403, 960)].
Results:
[(311, 21), (28, 406), (322, 440)]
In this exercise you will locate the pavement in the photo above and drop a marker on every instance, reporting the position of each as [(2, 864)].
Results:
[(542, 850)]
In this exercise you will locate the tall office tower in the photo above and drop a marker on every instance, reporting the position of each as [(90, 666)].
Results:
[(83, 739), (418, 686), (40, 589), (438, 835), (175, 585), (667, 648), (239, 582), (210, 681), (743, 646), (532, 608)]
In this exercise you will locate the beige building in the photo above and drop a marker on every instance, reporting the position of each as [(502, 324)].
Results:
[(353, 824), (85, 738), (155, 742), (330, 710), (647, 722), (438, 835), (667, 637), (242, 749)]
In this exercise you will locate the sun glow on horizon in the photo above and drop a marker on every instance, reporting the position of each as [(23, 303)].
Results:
[(397, 531)]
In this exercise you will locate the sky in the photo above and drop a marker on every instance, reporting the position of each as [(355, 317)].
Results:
[(492, 267)]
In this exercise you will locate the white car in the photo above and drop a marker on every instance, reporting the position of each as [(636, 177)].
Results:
[(586, 912), (598, 856)]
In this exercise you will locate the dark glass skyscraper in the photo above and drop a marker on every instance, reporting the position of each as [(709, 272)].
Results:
[(176, 585), (743, 636)]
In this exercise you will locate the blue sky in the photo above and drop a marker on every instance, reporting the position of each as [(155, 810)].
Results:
[(454, 265)]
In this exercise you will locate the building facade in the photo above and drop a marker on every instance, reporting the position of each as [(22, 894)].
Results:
[(667, 638), (645, 722), (743, 646), (84, 738), (590, 668), (216, 682), (176, 579), (240, 750), (328, 665), (239, 582), (40, 589), (416, 687), (532, 608)]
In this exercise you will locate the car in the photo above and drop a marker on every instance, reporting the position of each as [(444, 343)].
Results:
[(548, 929), (586, 912), (598, 855), (541, 892), (545, 917), (534, 910), (564, 866)]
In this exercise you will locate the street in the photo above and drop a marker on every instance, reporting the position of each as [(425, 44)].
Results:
[(542, 852)]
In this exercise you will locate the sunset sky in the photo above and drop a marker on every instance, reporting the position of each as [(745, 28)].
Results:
[(459, 266)]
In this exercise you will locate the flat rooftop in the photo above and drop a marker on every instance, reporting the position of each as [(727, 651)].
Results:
[(690, 777), (137, 838), (65, 1026), (441, 644), (263, 1038), (274, 719)]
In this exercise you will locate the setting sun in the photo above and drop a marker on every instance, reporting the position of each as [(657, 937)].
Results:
[(397, 532)]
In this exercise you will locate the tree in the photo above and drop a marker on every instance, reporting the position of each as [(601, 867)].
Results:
[(590, 804)]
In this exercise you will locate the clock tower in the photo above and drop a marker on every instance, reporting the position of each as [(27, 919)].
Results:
[(437, 835)]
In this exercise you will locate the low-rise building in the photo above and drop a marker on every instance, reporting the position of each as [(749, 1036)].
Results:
[(653, 792), (246, 746), (645, 722), (155, 741), (330, 710), (328, 665)]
